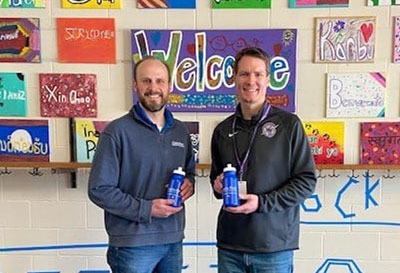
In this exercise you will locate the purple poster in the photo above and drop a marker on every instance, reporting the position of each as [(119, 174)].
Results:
[(201, 63)]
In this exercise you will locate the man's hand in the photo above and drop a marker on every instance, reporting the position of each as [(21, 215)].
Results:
[(161, 208), (218, 183), (186, 189), (250, 204)]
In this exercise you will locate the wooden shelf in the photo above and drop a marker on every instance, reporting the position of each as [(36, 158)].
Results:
[(52, 165), (76, 165)]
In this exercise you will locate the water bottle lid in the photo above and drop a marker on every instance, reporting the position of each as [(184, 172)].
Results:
[(179, 171), (229, 168)]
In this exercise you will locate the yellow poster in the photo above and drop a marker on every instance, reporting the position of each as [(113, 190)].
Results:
[(326, 141), (91, 4)]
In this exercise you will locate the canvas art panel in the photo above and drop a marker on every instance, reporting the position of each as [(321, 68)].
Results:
[(201, 61), (396, 39), (86, 40), (193, 128), (91, 4), (383, 2), (344, 39), (318, 3), (12, 94), (20, 40), (356, 94), (24, 140), (380, 143), (68, 95), (241, 4), (326, 141), (87, 133), (22, 4), (166, 4)]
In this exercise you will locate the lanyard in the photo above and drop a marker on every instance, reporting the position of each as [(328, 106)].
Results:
[(243, 163)]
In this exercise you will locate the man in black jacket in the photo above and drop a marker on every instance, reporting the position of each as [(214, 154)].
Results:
[(276, 169)]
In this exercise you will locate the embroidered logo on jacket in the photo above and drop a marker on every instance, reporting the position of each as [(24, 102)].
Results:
[(178, 144), (269, 129)]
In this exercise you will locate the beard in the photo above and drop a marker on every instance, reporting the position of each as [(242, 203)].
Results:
[(150, 105)]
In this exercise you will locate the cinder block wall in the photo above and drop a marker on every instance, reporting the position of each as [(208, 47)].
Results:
[(45, 225)]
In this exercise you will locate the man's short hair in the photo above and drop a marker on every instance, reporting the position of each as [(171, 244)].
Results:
[(145, 58), (255, 52)]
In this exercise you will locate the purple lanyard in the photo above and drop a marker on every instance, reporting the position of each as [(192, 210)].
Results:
[(243, 163)]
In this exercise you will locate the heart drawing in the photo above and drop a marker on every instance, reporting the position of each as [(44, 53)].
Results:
[(367, 31)]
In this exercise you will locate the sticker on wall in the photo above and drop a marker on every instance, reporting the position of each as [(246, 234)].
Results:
[(383, 2), (396, 40), (68, 95), (24, 140), (318, 3), (380, 143), (166, 4), (193, 127), (19, 40), (241, 4), (12, 94), (87, 133), (22, 4), (201, 64), (344, 40), (326, 141), (86, 40), (356, 95), (91, 4)]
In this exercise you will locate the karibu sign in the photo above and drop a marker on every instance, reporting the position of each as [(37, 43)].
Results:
[(201, 64)]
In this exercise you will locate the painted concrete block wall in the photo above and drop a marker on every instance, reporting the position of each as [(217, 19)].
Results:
[(349, 225)]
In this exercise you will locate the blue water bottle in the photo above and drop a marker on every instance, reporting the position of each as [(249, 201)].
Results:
[(230, 192), (174, 186)]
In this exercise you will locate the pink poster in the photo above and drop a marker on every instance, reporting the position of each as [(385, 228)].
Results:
[(396, 40), (68, 95), (380, 143)]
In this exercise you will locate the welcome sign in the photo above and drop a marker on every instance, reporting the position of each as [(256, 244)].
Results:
[(201, 64)]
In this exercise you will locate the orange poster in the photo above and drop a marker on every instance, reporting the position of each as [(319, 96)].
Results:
[(86, 40)]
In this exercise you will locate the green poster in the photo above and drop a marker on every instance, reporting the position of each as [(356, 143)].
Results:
[(12, 95), (241, 4)]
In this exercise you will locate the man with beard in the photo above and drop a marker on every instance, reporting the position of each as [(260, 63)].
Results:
[(135, 157)]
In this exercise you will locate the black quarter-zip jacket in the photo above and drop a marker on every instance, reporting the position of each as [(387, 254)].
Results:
[(280, 170)]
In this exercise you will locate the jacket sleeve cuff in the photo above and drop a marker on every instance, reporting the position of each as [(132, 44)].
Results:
[(145, 211)]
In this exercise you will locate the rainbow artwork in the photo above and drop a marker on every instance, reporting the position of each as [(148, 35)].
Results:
[(201, 64)]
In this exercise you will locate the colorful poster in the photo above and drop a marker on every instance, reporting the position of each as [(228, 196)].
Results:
[(87, 133), (86, 40), (326, 141), (91, 4), (356, 95), (19, 40), (380, 143), (345, 40), (241, 4), (193, 127), (22, 4), (383, 2), (166, 4), (68, 95), (201, 61), (318, 3), (396, 40), (24, 140), (12, 94)]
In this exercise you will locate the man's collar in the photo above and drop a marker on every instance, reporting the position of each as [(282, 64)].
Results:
[(169, 119)]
